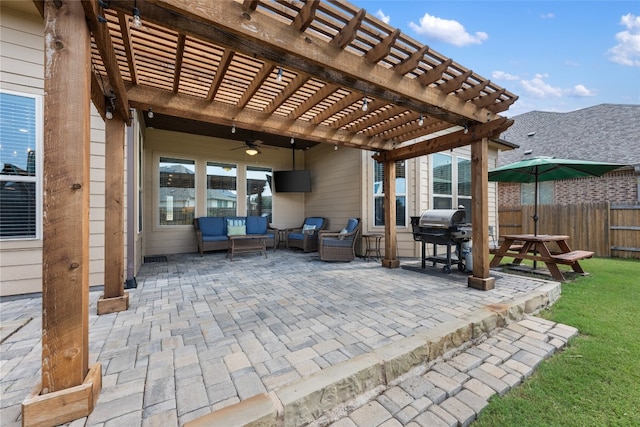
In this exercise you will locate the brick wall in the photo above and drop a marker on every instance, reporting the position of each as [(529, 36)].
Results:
[(615, 187)]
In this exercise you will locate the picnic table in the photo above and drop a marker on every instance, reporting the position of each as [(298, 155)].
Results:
[(536, 248)]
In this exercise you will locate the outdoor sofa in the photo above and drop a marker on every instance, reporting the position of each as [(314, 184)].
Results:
[(212, 232)]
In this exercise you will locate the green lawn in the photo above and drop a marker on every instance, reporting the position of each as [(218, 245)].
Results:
[(595, 381)]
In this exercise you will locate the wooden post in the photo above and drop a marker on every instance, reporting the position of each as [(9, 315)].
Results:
[(480, 222), (64, 394), (115, 299), (390, 242)]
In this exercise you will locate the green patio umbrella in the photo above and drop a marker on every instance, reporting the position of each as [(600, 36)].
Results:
[(538, 169)]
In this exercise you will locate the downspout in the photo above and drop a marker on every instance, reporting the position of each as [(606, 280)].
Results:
[(131, 282)]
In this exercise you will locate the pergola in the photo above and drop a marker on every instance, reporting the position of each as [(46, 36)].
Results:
[(318, 71)]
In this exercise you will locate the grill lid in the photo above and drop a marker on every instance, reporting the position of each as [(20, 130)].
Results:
[(442, 218)]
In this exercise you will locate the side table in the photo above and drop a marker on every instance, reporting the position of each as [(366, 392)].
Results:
[(373, 245)]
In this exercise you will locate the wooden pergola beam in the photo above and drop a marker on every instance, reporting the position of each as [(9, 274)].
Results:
[(223, 23), (255, 84), (474, 91), (305, 17), (455, 83), (310, 102), (114, 298), (214, 112), (349, 32), (434, 74), (383, 48), (227, 56), (349, 99), (103, 42), (178, 65), (292, 87), (411, 62), (447, 142), (380, 116), (69, 387), (128, 49)]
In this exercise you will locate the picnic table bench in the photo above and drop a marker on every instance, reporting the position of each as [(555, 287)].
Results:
[(532, 247)]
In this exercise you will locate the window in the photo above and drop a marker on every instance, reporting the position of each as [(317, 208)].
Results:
[(442, 181), (222, 196), (177, 191), (20, 151), (451, 177), (464, 185), (401, 193), (259, 198), (545, 193)]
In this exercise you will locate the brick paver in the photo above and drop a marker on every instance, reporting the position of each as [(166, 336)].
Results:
[(202, 333)]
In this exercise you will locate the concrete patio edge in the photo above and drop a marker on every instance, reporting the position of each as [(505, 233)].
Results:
[(304, 401)]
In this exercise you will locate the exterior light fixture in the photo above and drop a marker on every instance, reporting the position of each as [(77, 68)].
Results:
[(365, 104), (233, 128), (335, 147), (150, 113), (293, 140), (279, 77), (137, 22), (466, 129), (252, 151), (421, 121), (109, 112)]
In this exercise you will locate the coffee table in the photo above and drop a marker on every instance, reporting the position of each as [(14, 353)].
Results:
[(247, 243)]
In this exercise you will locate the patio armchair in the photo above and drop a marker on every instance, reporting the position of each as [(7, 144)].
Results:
[(305, 237), (339, 245)]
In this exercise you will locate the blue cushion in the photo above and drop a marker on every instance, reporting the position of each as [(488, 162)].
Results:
[(296, 236), (212, 226), (312, 220), (214, 238), (256, 225), (351, 224)]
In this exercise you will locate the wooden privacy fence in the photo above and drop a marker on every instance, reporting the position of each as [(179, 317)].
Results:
[(608, 231)]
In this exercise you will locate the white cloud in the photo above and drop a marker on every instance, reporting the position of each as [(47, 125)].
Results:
[(547, 15), (384, 18), (538, 88), (447, 30), (501, 75), (581, 90), (627, 51)]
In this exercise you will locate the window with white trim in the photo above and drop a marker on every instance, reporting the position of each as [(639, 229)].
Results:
[(21, 174), (451, 181), (259, 195), (177, 195), (401, 194), (222, 194)]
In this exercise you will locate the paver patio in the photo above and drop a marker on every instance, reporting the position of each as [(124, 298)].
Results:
[(204, 333)]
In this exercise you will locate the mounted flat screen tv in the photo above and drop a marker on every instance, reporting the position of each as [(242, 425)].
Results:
[(296, 181)]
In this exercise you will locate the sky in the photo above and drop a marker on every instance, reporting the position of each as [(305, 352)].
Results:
[(555, 56)]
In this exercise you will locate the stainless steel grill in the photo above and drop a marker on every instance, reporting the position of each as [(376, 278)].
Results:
[(445, 227)]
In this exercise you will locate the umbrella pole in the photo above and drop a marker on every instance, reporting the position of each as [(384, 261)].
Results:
[(535, 216)]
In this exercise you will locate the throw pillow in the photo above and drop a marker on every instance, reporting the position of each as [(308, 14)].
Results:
[(308, 227), (343, 231), (236, 227), (236, 230)]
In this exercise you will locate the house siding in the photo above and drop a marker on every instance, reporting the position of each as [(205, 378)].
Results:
[(22, 70)]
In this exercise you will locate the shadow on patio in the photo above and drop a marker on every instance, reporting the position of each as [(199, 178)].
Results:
[(203, 333)]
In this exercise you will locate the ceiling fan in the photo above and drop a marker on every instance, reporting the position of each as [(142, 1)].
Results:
[(252, 146)]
